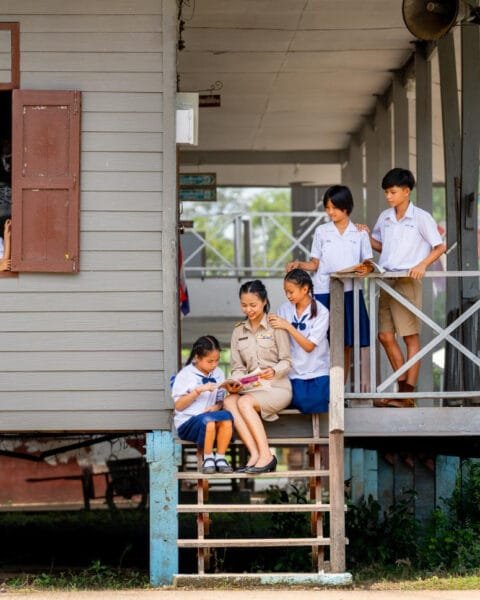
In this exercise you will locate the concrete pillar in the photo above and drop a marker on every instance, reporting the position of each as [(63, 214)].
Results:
[(163, 456), (383, 119), (352, 176), (305, 198), (423, 112), (400, 123), (373, 205)]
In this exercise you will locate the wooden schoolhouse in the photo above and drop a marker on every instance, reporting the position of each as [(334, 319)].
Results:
[(90, 319)]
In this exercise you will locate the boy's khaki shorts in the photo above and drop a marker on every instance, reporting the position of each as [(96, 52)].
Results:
[(394, 317)]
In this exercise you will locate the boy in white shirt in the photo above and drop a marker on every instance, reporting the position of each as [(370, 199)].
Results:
[(408, 239)]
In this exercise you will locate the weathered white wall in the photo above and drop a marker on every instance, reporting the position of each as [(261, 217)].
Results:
[(86, 351)]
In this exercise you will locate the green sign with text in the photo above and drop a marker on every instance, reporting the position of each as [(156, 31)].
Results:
[(197, 187)]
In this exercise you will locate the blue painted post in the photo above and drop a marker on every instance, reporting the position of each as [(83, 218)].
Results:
[(371, 474), (447, 469), (163, 456), (358, 469)]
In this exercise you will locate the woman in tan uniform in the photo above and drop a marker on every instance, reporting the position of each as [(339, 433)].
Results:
[(256, 346)]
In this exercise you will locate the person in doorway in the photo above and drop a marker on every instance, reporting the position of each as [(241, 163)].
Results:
[(198, 395), (258, 351), (306, 322), (5, 244), (407, 238), (339, 245)]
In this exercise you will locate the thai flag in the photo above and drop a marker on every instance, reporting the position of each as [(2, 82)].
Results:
[(182, 285)]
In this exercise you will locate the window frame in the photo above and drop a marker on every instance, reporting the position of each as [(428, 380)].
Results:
[(14, 28)]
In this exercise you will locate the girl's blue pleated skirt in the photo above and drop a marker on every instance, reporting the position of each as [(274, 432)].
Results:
[(194, 429), (311, 395), (364, 324)]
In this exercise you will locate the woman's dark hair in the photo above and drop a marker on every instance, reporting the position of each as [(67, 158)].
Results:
[(398, 177), (300, 277), (256, 287), (203, 346), (340, 196)]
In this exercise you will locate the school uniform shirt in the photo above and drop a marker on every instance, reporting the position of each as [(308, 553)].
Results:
[(408, 241), (266, 347), (336, 251), (186, 381), (308, 365)]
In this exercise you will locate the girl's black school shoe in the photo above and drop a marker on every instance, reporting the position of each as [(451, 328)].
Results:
[(223, 466), (208, 467), (268, 468)]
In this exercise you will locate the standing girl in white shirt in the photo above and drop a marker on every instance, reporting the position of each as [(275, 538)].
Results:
[(198, 399), (306, 321), (339, 245)]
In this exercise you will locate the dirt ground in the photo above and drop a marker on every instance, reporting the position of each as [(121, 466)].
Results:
[(284, 594)]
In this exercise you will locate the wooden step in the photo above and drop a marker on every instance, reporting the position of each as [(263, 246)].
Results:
[(297, 441), (253, 543), (253, 508), (275, 475)]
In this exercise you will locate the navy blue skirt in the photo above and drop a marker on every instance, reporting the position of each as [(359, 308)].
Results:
[(194, 429), (348, 318), (311, 395)]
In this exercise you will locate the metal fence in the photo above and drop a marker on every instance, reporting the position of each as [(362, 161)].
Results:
[(249, 245)]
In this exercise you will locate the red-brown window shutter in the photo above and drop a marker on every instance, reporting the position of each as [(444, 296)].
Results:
[(45, 182)]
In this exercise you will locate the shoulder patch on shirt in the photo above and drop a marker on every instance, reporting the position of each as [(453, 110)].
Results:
[(239, 323)]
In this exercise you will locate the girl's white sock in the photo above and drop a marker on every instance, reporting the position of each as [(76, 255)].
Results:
[(205, 456), (218, 456)]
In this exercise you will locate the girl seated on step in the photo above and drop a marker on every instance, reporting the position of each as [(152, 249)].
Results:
[(198, 392), (306, 321)]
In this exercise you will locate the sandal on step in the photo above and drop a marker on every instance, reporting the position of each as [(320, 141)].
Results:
[(394, 403), (223, 466), (208, 466)]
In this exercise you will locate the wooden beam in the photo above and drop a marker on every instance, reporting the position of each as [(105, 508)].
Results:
[(337, 513), (412, 422), (336, 410), (424, 167), (261, 157), (253, 508), (470, 37), (453, 165), (253, 543)]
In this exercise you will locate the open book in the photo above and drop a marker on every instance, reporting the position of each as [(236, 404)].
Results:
[(358, 268), (250, 383), (376, 267)]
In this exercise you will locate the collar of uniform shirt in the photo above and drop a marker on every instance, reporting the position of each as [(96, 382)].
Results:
[(263, 323), (409, 213)]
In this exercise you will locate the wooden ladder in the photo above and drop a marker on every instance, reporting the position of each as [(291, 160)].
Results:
[(314, 474)]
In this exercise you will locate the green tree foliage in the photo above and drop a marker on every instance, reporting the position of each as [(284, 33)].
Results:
[(214, 221)]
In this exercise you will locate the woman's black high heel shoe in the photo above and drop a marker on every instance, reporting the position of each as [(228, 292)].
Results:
[(268, 468)]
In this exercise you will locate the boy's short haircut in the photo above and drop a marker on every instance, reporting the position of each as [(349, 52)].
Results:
[(340, 196), (398, 177)]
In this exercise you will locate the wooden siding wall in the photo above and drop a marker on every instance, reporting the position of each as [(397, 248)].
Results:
[(86, 352)]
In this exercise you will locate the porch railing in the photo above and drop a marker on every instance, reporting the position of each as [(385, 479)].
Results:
[(376, 385)]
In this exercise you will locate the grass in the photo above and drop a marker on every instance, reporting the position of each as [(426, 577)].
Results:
[(96, 576), (406, 578)]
